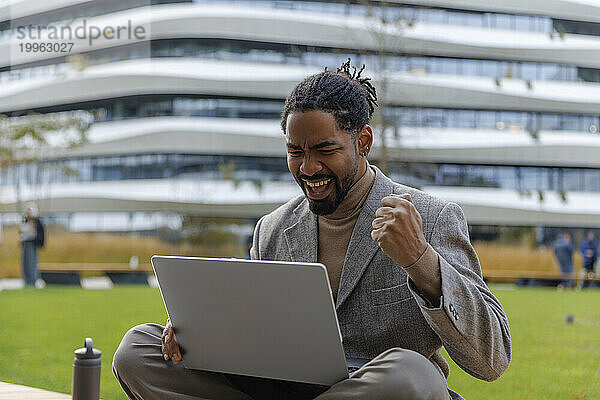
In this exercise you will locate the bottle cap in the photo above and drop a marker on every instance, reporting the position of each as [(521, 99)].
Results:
[(88, 351)]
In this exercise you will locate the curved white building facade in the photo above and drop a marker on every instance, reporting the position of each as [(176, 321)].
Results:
[(495, 106)]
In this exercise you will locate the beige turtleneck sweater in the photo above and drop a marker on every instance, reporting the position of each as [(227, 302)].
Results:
[(335, 229)]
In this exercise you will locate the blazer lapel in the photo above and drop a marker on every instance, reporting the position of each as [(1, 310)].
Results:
[(362, 248), (301, 237)]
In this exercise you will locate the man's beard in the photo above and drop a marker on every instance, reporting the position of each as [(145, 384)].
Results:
[(325, 206)]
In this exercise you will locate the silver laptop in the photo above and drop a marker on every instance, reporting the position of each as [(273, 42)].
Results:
[(259, 318)]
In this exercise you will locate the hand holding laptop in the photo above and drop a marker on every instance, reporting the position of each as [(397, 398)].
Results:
[(267, 319), (170, 348)]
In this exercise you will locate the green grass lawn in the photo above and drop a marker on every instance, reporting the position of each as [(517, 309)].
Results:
[(551, 359)]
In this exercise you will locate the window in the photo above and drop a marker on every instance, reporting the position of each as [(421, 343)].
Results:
[(523, 23), (503, 21), (491, 69), (572, 180), (438, 16), (549, 122), (571, 123), (471, 67), (486, 119), (529, 71)]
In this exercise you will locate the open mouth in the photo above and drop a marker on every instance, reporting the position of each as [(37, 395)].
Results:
[(318, 189)]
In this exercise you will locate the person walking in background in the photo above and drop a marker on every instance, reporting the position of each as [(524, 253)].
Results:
[(32, 237), (589, 251), (563, 249)]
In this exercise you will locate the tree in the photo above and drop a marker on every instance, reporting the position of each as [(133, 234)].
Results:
[(32, 139), (385, 25)]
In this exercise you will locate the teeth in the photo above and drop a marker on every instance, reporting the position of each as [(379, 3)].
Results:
[(317, 184)]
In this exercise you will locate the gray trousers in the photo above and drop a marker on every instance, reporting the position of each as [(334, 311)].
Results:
[(396, 374), (29, 262)]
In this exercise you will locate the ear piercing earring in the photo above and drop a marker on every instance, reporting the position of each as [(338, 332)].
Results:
[(364, 153)]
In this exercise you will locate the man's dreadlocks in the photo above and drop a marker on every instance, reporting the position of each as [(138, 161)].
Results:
[(344, 93)]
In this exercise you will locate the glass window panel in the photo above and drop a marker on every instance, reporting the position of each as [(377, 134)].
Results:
[(436, 65), (503, 21), (522, 23), (435, 118), (590, 124), (542, 178), (517, 70), (517, 120), (470, 67), (422, 116), (399, 63), (450, 175), (438, 16), (508, 70), (453, 118), (571, 122), (529, 71), (513, 21), (545, 24), (591, 180), (491, 69), (506, 117), (549, 71), (481, 176), (572, 179), (529, 178), (467, 118), (418, 63), (409, 117), (571, 73), (453, 66), (472, 19), (549, 122), (486, 119)]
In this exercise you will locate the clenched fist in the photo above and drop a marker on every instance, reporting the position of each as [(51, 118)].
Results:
[(398, 229)]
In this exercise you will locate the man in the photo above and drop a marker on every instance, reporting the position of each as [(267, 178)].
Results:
[(404, 275), (31, 237), (563, 250), (589, 251)]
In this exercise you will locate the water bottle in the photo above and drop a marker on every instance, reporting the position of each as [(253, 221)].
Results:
[(86, 372)]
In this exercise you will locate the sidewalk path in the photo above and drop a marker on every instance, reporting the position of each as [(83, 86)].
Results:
[(100, 282), (9, 391)]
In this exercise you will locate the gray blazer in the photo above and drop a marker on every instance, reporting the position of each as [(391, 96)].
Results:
[(377, 305)]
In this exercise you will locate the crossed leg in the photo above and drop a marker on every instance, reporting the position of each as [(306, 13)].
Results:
[(396, 374)]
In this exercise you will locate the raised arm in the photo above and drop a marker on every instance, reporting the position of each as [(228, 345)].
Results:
[(468, 318)]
